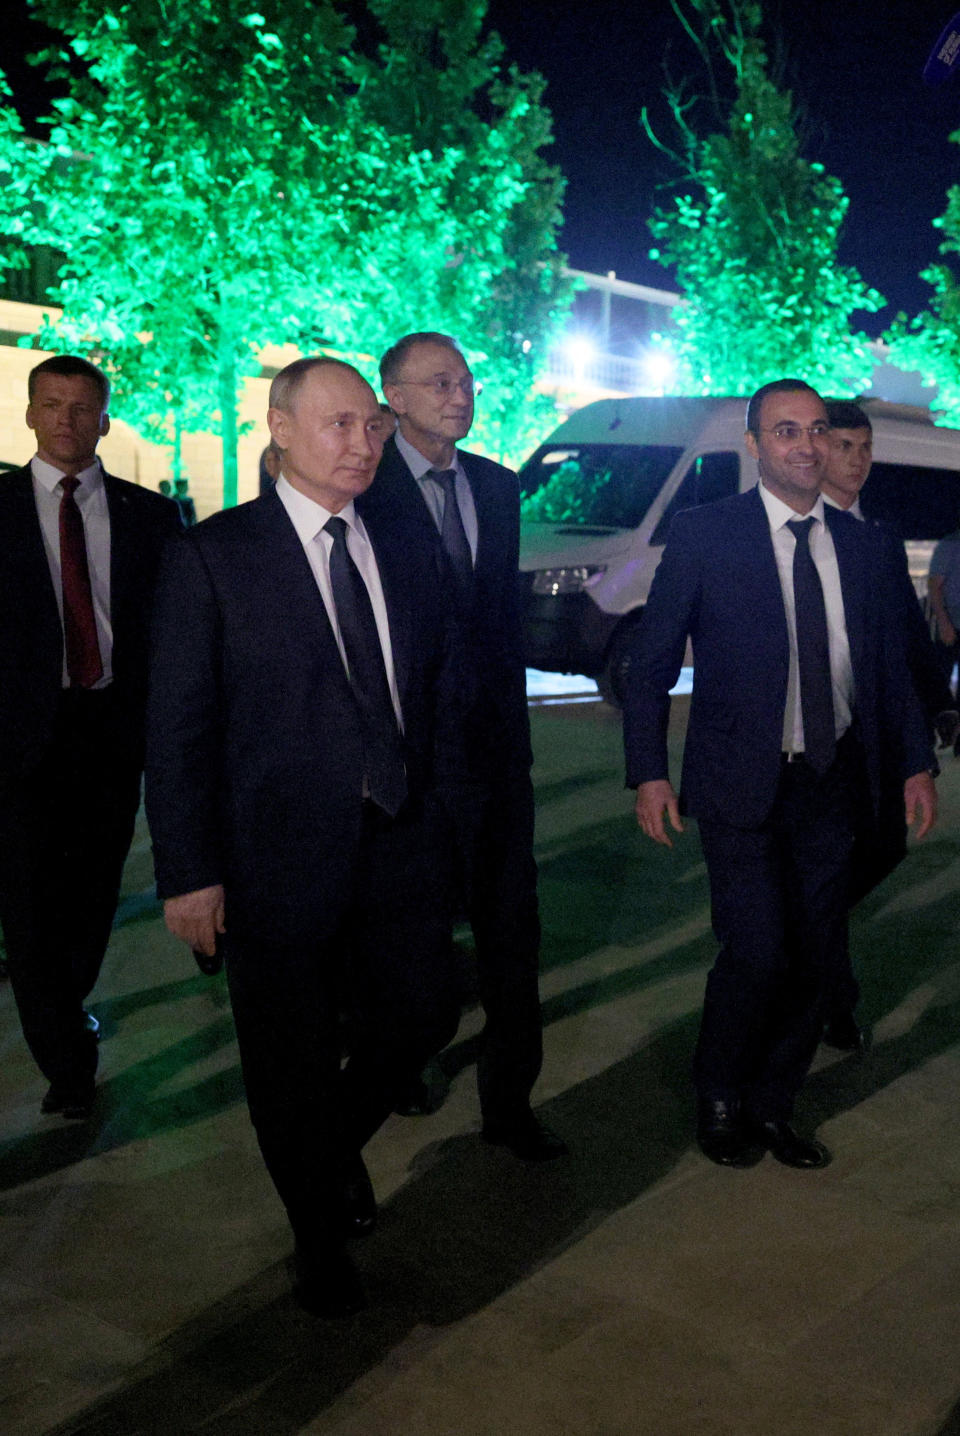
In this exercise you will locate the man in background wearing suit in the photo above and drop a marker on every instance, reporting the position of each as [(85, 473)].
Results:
[(80, 551), (303, 709), (467, 508), (881, 839), (800, 694)]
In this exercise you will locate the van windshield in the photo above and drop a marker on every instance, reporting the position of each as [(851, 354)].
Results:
[(595, 485)]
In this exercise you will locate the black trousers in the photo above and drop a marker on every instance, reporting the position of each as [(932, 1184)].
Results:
[(879, 844), (779, 897), (379, 984), (65, 831), (499, 876)]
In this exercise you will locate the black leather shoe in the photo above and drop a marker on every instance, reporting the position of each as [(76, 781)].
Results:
[(209, 966), (526, 1137), (327, 1283), (783, 1143), (722, 1137), (415, 1101), (844, 1032), (69, 1099), (358, 1204)]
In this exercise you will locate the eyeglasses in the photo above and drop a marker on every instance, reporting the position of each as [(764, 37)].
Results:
[(791, 433), (441, 384)]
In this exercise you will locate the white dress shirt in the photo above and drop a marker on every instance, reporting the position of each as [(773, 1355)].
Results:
[(433, 494), (308, 518), (91, 497), (854, 510), (824, 556)]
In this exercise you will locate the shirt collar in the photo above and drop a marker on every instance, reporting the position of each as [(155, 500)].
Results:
[(307, 516), (854, 509), (416, 463), (779, 514), (48, 476)]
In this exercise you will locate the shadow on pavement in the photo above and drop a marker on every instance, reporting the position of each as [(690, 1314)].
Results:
[(470, 1223)]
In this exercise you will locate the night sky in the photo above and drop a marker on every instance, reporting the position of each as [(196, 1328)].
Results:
[(855, 71)]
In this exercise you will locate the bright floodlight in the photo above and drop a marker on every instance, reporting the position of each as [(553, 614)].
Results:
[(659, 366), (581, 350)]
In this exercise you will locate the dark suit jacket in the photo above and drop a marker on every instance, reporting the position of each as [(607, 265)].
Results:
[(31, 636), (498, 727), (718, 582), (929, 681), (254, 759)]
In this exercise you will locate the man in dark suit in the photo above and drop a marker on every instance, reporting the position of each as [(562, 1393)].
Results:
[(303, 709), (80, 551), (801, 693), (467, 509), (881, 837)]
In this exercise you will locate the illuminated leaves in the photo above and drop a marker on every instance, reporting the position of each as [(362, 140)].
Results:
[(930, 341), (754, 242), (229, 177)]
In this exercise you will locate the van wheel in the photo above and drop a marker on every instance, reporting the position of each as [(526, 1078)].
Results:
[(610, 682)]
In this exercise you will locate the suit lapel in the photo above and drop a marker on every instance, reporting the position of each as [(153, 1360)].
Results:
[(848, 542), (396, 596), (20, 511), (487, 516), (124, 556), (755, 541), (401, 490), (285, 577)]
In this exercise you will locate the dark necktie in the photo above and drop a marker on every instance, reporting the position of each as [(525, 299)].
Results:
[(84, 664), (382, 746), (813, 653), (453, 535)]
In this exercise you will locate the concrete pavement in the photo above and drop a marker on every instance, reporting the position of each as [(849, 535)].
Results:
[(634, 1288)]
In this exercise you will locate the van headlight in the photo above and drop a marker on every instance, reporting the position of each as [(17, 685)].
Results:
[(552, 581)]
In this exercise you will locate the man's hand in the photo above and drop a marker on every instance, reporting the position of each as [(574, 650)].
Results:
[(653, 800), (920, 802), (196, 918)]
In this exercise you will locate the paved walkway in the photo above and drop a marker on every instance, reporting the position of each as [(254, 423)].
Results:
[(634, 1288)]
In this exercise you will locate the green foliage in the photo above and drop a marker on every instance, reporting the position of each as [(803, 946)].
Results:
[(499, 288), (231, 177), (753, 234), (22, 165), (930, 341)]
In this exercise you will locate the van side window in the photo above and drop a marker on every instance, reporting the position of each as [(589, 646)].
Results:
[(709, 477), (921, 503)]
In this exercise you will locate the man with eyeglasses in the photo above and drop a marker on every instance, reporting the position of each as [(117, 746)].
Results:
[(467, 510), (801, 696)]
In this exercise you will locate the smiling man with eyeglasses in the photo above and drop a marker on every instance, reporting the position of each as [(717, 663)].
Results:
[(467, 509), (801, 704)]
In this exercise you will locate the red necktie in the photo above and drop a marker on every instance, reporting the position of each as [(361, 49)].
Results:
[(84, 664)]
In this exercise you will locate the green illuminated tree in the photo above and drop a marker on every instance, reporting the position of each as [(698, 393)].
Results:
[(753, 234), (930, 341), (22, 166), (230, 177), (230, 190), (436, 78)]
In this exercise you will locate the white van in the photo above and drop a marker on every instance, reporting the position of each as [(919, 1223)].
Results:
[(599, 495)]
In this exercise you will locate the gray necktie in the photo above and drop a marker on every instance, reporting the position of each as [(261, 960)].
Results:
[(382, 744), (813, 653), (453, 535)]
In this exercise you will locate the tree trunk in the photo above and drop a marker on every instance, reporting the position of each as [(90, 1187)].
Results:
[(227, 397), (177, 457)]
